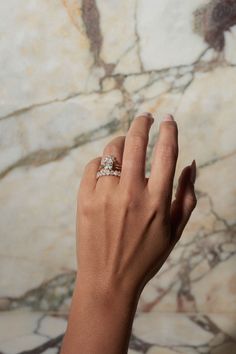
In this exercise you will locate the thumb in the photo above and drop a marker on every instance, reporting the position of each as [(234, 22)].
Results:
[(185, 201)]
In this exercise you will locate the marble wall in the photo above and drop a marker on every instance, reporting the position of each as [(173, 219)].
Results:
[(74, 73)]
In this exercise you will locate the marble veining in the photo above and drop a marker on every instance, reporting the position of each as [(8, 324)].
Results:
[(75, 73)]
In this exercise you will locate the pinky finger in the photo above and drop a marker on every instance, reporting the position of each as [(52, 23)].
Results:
[(185, 201)]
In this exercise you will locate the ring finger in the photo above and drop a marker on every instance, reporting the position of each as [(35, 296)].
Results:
[(115, 147)]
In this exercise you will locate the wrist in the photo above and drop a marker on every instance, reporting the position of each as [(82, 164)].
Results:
[(104, 297), (106, 313)]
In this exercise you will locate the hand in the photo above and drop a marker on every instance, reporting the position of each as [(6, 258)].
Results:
[(126, 228), (128, 225)]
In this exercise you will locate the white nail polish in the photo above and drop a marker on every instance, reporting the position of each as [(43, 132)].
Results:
[(145, 114), (168, 117)]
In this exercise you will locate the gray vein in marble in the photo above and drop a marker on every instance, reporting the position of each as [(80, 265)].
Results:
[(122, 56), (46, 298), (216, 159), (43, 156), (193, 68), (38, 324), (51, 343), (91, 19), (138, 344), (23, 110), (138, 37), (208, 325), (213, 19), (214, 257), (218, 217), (204, 323)]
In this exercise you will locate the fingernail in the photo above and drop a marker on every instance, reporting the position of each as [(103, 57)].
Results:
[(168, 117), (147, 115), (193, 172)]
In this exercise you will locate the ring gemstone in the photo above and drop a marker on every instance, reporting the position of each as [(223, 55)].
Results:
[(109, 167)]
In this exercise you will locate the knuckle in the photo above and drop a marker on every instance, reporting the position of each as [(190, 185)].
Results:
[(168, 151), (85, 206), (118, 139), (92, 163), (110, 149)]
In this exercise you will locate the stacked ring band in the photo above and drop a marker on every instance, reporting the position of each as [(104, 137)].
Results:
[(109, 167)]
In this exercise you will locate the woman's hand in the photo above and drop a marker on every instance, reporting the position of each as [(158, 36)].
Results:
[(127, 226)]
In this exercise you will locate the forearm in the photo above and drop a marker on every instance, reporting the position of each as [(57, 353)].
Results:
[(99, 323)]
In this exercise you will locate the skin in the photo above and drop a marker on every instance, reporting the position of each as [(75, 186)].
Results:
[(126, 228)]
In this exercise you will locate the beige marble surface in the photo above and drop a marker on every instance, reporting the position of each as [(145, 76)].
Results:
[(74, 73)]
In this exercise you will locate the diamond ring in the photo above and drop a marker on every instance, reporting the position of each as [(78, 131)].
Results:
[(109, 167)]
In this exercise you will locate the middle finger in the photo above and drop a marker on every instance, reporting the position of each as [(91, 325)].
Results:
[(134, 156)]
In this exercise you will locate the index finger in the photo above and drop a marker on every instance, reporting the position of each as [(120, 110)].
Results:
[(164, 161)]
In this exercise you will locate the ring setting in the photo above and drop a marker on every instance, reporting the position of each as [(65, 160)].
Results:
[(109, 167)]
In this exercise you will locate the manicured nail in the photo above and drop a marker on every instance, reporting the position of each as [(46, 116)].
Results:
[(168, 117), (193, 172), (147, 115)]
